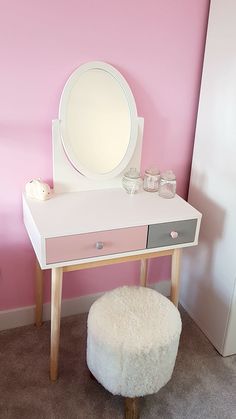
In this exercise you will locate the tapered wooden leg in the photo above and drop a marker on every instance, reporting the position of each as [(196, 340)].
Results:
[(175, 274), (39, 296), (143, 272), (92, 376), (56, 289), (131, 408)]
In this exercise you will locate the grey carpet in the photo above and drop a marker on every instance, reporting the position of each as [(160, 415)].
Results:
[(203, 384)]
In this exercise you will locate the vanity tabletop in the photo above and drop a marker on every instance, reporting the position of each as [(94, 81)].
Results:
[(107, 209)]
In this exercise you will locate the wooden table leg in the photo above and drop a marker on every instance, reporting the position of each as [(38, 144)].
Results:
[(56, 289), (39, 296), (143, 272), (175, 274)]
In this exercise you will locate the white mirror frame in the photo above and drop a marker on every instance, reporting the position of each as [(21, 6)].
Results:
[(133, 118)]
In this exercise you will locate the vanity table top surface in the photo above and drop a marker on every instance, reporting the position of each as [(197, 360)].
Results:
[(90, 211)]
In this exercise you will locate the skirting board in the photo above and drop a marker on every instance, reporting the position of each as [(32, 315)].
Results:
[(25, 315)]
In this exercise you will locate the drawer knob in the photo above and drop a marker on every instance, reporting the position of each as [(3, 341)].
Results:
[(174, 234), (99, 245)]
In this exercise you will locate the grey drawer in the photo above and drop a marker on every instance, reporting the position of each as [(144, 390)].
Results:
[(159, 234)]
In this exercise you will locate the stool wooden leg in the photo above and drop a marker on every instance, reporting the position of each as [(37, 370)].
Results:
[(131, 408), (39, 296), (92, 376)]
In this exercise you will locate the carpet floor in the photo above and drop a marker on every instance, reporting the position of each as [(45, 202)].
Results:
[(203, 385)]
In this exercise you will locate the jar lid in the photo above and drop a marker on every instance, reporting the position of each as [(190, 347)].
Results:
[(154, 171), (132, 173), (168, 175)]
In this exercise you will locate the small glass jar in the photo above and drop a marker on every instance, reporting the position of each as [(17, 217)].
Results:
[(151, 179), (132, 181), (167, 187)]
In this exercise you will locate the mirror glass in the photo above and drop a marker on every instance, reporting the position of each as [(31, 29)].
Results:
[(98, 120)]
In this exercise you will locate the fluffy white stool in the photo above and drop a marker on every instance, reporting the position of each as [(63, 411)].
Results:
[(132, 343)]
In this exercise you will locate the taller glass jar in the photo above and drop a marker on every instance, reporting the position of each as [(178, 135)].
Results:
[(132, 181), (167, 187), (151, 179)]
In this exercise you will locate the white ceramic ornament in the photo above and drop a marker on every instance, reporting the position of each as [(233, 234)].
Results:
[(38, 190)]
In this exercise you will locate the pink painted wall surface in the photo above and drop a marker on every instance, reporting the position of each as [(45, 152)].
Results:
[(156, 44)]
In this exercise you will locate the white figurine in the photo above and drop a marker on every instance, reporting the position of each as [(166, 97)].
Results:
[(38, 190)]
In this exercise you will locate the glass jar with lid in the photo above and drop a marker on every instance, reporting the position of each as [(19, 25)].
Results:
[(167, 187), (151, 179), (132, 181)]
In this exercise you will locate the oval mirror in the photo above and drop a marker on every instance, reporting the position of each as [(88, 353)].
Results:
[(98, 120)]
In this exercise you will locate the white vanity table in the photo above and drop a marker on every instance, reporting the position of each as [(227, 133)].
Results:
[(91, 221)]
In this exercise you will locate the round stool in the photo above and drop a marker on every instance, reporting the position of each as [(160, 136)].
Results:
[(132, 343)]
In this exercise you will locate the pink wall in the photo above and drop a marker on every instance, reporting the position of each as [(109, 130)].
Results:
[(156, 44)]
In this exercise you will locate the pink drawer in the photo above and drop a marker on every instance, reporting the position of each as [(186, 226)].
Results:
[(81, 246)]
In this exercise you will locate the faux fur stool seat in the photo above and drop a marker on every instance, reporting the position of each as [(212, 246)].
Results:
[(133, 338)]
